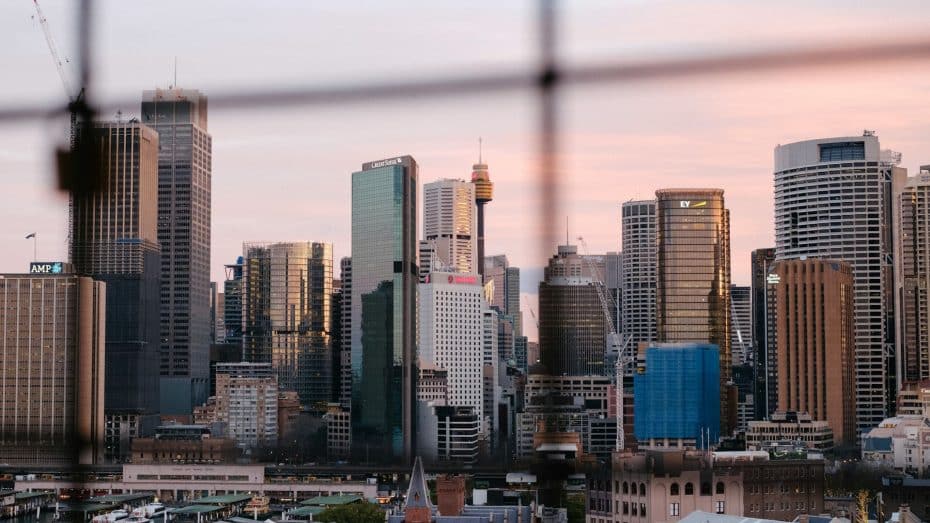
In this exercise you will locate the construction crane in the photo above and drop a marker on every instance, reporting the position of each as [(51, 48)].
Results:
[(74, 99), (617, 345)]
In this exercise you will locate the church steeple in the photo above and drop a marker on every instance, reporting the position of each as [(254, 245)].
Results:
[(417, 506)]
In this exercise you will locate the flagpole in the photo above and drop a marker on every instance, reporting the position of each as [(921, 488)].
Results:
[(35, 249)]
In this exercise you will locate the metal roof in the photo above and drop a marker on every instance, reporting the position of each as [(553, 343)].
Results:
[(333, 500), (224, 499)]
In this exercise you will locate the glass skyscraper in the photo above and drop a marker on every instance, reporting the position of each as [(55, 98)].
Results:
[(693, 284), (383, 302), (184, 193), (287, 291)]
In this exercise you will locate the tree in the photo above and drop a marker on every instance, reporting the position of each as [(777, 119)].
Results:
[(351, 513)]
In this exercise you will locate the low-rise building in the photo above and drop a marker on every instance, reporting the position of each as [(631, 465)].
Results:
[(247, 401), (914, 399), (667, 485), (790, 427), (176, 443), (338, 431), (901, 443)]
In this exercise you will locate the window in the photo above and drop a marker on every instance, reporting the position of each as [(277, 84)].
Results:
[(705, 489), (642, 489), (674, 490), (674, 509), (626, 507), (719, 488), (642, 510), (626, 489), (719, 507), (689, 489)]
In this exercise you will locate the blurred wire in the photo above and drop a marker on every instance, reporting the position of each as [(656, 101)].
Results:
[(833, 55)]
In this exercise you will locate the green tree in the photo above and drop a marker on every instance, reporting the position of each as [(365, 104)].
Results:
[(575, 503), (352, 513)]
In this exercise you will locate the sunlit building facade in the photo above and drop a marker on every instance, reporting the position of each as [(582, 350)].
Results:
[(287, 311), (693, 284)]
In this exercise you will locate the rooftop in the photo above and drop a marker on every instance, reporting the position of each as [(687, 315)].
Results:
[(324, 501)]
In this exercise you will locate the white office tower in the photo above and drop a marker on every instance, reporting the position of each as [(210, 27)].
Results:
[(833, 199), (452, 335), (449, 226), (491, 361)]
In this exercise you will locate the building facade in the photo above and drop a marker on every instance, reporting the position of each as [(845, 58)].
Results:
[(912, 271), (812, 301), (287, 315), (52, 352), (449, 223), (502, 284), (184, 209), (764, 362), (677, 396), (114, 240), (741, 324), (638, 272), (572, 325), (452, 336), (232, 303), (693, 283), (833, 199), (383, 301), (790, 427), (901, 443), (247, 401)]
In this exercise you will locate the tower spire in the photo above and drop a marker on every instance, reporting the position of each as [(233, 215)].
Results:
[(479, 150)]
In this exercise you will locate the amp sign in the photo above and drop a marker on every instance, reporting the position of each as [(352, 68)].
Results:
[(46, 267)]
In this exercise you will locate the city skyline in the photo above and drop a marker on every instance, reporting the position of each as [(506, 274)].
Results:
[(728, 125)]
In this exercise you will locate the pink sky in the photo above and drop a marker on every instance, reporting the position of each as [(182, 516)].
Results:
[(284, 174)]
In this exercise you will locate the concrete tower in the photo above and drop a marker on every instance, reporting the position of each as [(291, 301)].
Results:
[(484, 192)]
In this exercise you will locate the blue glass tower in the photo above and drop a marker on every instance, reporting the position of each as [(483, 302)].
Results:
[(677, 395)]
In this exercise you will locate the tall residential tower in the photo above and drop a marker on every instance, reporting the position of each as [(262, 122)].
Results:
[(833, 199)]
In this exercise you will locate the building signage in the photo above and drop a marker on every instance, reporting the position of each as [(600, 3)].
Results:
[(45, 268), (688, 204), (773, 279), (384, 163)]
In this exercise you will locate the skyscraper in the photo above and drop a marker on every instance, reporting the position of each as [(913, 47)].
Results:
[(572, 330), (232, 302), (833, 199), (114, 239), (449, 225), (345, 358), (287, 309), (383, 302), (741, 324), (52, 369), (912, 272), (484, 193), (503, 283), (184, 192), (766, 389), (452, 335), (638, 267), (693, 284), (812, 304)]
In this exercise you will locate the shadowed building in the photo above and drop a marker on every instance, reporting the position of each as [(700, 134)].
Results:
[(52, 368), (383, 304), (572, 326), (184, 203)]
